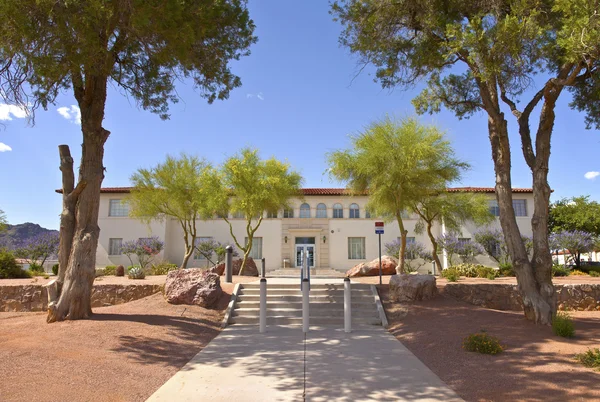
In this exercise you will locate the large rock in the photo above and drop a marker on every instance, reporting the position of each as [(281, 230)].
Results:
[(388, 267), (406, 288), (193, 286), (250, 269)]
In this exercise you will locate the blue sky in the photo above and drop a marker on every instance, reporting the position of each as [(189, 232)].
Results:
[(299, 100)]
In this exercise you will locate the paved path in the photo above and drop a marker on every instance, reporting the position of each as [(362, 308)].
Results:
[(283, 365)]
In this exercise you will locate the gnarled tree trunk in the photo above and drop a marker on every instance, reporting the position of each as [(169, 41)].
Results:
[(434, 248)]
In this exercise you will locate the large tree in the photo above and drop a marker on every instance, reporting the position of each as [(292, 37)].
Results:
[(452, 210), (142, 47), (485, 56), (179, 188), (399, 163), (577, 213), (3, 221), (249, 188)]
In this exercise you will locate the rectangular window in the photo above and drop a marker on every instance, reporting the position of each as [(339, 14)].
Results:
[(272, 215), (114, 246), (288, 213), (464, 240), (238, 215), (356, 248), (494, 208), (118, 208), (198, 240), (257, 244), (338, 213), (520, 207), (367, 214)]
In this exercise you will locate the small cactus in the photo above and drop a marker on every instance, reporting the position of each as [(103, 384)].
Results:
[(136, 273), (120, 271)]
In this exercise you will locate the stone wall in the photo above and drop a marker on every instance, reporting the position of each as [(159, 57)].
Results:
[(34, 297), (580, 297)]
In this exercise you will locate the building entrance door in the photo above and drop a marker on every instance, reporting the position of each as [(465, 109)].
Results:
[(305, 244)]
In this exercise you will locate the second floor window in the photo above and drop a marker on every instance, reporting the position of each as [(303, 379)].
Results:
[(354, 211), (271, 214), (288, 213), (305, 211), (338, 211), (519, 205), (118, 208), (321, 211), (494, 208)]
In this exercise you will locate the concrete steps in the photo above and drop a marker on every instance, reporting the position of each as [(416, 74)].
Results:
[(314, 273), (284, 305)]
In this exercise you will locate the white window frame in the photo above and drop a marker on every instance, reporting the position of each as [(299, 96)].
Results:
[(520, 206), (111, 246), (257, 248), (118, 208), (494, 208), (304, 210), (338, 211), (321, 210), (288, 213), (272, 214), (354, 212), (357, 248)]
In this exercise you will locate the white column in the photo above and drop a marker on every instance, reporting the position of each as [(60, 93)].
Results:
[(444, 254)]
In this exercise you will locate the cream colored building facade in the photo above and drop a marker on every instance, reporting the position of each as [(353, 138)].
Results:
[(332, 225)]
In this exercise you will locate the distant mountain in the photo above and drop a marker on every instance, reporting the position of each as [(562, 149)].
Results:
[(17, 234)]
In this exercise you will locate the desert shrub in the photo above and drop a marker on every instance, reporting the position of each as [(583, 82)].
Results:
[(506, 269), (451, 274), (562, 325), (9, 267), (99, 272), (590, 358), (486, 272), (481, 342), (589, 268), (55, 269), (474, 270), (491, 277), (110, 269), (36, 268), (559, 270), (120, 271), (136, 273), (162, 268), (595, 273), (577, 272)]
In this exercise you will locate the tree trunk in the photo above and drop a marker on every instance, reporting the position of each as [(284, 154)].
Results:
[(244, 259), (536, 305), (74, 294), (434, 248), (188, 253), (401, 254)]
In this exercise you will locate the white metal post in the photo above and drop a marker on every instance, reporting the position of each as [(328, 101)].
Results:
[(263, 305), (347, 306), (305, 313)]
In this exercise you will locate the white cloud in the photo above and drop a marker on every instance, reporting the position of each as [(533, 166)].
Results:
[(4, 147), (249, 95), (260, 96), (591, 175), (7, 110), (73, 114)]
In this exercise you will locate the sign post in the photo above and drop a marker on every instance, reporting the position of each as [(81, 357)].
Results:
[(379, 231)]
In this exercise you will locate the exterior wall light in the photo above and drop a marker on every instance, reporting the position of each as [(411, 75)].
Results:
[(285, 239), (324, 239)]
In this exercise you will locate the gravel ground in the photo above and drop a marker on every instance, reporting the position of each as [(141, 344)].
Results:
[(509, 280), (536, 365), (123, 353)]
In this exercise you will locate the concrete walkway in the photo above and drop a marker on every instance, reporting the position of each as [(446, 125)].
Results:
[(283, 365)]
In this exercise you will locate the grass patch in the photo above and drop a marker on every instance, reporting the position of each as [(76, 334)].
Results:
[(562, 325), (590, 358)]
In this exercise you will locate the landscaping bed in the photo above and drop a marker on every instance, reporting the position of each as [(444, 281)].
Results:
[(535, 365), (123, 353)]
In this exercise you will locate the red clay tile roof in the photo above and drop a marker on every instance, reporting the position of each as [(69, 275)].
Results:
[(341, 191)]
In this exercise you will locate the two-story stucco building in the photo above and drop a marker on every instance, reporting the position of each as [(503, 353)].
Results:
[(330, 224)]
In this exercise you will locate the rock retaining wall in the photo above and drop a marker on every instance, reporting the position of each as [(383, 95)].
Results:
[(580, 297), (34, 297)]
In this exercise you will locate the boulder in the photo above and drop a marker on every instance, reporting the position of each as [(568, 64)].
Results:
[(407, 288), (193, 286), (250, 270), (388, 267)]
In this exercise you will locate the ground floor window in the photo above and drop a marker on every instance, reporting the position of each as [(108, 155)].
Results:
[(256, 252), (356, 248), (114, 246), (198, 256)]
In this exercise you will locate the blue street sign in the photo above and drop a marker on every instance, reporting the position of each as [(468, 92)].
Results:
[(378, 231)]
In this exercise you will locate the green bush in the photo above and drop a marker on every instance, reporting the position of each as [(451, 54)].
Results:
[(36, 268), (99, 272), (162, 268), (506, 269), (110, 269), (590, 358), (55, 269), (559, 270), (474, 270), (136, 273), (562, 325), (9, 267), (481, 342), (486, 272), (590, 268), (595, 273), (491, 277), (451, 274)]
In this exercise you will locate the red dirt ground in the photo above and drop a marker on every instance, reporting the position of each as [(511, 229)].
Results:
[(536, 365), (123, 353)]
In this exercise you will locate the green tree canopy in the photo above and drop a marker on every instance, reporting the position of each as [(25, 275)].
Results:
[(577, 213), (453, 210), (142, 48), (250, 187), (3, 221), (493, 56), (179, 188), (398, 163)]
